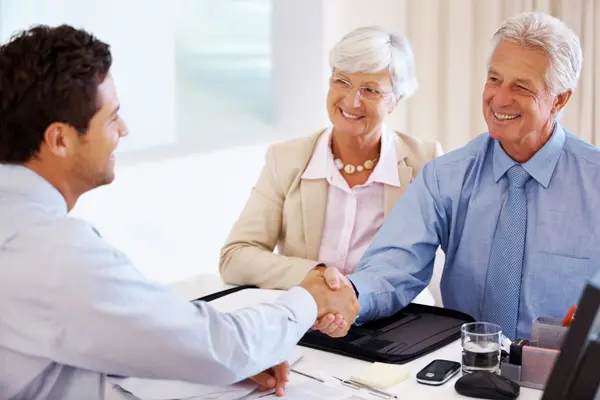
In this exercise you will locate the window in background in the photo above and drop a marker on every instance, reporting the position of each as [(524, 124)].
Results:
[(192, 75), (223, 72)]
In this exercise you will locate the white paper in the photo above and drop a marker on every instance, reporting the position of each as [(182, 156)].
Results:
[(313, 390), (156, 389)]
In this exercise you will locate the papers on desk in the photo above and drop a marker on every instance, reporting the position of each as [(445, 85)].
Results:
[(313, 390), (147, 389), (153, 389), (156, 389)]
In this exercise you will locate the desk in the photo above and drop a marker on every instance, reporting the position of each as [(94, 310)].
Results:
[(315, 360)]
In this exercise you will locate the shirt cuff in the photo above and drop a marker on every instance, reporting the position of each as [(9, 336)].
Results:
[(366, 302), (302, 305), (354, 287)]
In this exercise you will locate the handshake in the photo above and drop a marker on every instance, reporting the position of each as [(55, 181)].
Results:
[(337, 309), (336, 301)]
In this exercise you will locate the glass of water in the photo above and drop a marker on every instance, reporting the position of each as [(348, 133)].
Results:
[(480, 347)]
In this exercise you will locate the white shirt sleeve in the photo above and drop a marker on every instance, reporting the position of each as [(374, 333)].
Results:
[(93, 310)]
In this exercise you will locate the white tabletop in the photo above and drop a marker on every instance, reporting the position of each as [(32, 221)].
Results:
[(343, 367), (315, 361)]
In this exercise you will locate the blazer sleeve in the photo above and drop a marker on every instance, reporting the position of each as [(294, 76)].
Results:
[(247, 257)]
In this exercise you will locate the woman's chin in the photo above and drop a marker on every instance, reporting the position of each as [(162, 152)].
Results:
[(350, 128)]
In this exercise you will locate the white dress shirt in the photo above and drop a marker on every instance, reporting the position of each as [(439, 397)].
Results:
[(74, 309), (353, 215)]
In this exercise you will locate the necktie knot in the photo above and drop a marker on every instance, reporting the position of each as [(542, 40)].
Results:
[(517, 176)]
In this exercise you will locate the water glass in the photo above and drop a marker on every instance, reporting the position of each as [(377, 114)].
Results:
[(480, 347)]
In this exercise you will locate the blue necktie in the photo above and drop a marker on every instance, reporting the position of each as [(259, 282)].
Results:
[(503, 280)]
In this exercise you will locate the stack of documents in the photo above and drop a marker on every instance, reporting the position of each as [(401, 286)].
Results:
[(313, 390), (156, 389), (152, 389)]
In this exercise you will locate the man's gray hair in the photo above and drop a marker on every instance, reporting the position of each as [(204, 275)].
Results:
[(542, 31), (372, 49)]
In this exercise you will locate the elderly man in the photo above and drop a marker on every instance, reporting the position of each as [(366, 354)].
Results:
[(515, 210), (74, 309)]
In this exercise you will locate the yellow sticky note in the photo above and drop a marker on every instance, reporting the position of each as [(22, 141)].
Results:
[(382, 376)]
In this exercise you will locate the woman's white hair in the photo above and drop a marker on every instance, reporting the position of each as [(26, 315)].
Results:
[(545, 32), (372, 49)]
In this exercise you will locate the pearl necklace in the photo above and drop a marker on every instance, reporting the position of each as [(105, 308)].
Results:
[(350, 169)]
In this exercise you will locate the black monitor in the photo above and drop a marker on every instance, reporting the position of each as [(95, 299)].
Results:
[(576, 374)]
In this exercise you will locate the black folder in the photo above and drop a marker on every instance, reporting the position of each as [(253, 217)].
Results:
[(409, 334), (412, 332)]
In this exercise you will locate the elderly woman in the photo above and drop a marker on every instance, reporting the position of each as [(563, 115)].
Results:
[(320, 199)]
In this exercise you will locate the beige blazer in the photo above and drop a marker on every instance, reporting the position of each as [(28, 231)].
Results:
[(288, 213)]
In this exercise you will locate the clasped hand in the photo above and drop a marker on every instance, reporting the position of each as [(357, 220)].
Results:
[(337, 304)]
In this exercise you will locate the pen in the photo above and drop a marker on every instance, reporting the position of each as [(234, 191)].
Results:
[(356, 387), (568, 319), (375, 391), (307, 375)]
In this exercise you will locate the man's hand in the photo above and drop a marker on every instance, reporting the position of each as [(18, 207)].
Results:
[(330, 324), (275, 377), (337, 304)]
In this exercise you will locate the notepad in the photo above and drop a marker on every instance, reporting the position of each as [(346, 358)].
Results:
[(381, 376)]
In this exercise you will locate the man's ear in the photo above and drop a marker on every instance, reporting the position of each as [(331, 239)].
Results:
[(59, 138), (561, 101)]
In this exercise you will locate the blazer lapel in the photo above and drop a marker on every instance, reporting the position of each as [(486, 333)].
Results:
[(391, 194), (314, 204)]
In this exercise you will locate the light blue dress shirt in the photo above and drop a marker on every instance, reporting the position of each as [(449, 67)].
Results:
[(73, 309), (455, 203)]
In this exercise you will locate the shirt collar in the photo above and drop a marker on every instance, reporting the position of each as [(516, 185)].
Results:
[(543, 163), (317, 167), (22, 181), (322, 166), (386, 170)]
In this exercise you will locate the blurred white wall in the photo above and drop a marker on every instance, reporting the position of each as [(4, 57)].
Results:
[(142, 43), (300, 78)]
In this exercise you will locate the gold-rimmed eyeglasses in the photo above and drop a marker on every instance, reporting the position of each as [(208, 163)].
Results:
[(365, 92)]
